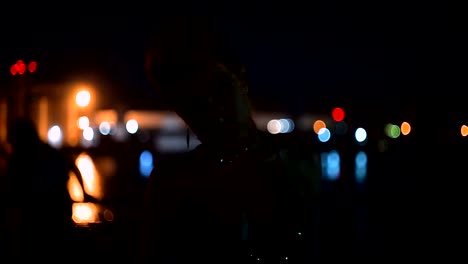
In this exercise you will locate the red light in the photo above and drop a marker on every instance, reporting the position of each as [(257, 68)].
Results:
[(20, 67), (338, 114), (13, 69), (32, 66)]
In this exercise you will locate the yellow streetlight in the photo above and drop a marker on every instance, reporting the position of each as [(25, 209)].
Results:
[(83, 98), (82, 101)]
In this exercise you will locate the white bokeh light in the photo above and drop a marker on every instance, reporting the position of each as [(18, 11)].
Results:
[(83, 98), (274, 126), (360, 135), (88, 133), (83, 122), (54, 135), (132, 126)]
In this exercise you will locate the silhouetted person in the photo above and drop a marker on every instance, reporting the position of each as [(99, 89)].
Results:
[(39, 213), (236, 185)]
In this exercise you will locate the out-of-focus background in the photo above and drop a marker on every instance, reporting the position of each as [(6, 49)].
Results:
[(374, 88)]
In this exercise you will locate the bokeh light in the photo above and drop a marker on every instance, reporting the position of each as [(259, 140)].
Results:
[(105, 128), (284, 125), (54, 136), (83, 122), (146, 163), (274, 126), (324, 134), (338, 114), (464, 131), (88, 133), (360, 135), (405, 128), (319, 124), (83, 98), (32, 66), (360, 166), (392, 131), (132, 126)]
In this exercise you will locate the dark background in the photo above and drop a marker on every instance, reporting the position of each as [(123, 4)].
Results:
[(379, 60)]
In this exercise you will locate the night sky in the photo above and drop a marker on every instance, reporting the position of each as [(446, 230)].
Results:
[(301, 57)]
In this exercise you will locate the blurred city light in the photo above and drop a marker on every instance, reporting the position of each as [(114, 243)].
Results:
[(283, 125), (132, 126), (32, 66), (274, 126), (74, 188), (392, 131), (105, 128), (83, 98), (13, 69), (338, 114), (287, 125), (88, 133), (360, 166), (54, 136), (91, 177), (464, 131), (360, 135), (85, 213), (83, 122), (405, 128), (18, 68), (331, 165), (324, 134), (318, 125), (146, 163)]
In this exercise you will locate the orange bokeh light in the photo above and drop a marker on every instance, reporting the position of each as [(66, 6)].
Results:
[(405, 128), (319, 124), (464, 130)]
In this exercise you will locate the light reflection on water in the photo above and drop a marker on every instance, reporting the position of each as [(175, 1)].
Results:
[(87, 213), (84, 213), (331, 166), (360, 166)]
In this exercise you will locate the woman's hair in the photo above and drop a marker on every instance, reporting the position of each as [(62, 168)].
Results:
[(22, 131)]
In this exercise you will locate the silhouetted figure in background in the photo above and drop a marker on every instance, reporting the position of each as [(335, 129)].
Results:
[(39, 205), (237, 184)]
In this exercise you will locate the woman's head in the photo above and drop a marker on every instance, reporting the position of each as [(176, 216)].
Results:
[(191, 68), (22, 133)]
